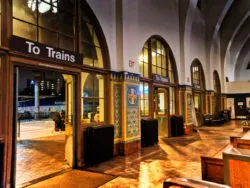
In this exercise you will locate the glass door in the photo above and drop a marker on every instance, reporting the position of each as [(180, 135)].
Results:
[(162, 110)]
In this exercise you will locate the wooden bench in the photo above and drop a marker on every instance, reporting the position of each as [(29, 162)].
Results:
[(213, 167), (241, 142), (187, 183), (236, 167)]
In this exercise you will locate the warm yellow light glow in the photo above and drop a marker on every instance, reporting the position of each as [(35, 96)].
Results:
[(141, 58), (153, 54)]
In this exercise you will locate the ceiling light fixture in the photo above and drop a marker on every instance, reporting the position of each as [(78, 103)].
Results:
[(43, 6)]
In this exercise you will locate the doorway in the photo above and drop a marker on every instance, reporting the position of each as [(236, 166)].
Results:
[(161, 110), (44, 124)]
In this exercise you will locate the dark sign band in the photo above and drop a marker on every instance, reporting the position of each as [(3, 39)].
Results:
[(37, 49)]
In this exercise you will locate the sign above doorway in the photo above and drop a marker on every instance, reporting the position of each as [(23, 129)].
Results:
[(160, 78), (37, 49)]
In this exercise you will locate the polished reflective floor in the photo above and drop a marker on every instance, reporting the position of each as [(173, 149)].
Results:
[(172, 157), (40, 151)]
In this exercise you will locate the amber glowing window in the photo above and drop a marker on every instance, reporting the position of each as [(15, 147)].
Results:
[(143, 62), (144, 99), (197, 75), (90, 43), (157, 58), (92, 98), (50, 23), (171, 100)]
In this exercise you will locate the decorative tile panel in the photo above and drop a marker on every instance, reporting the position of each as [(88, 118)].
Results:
[(132, 95), (132, 121), (117, 110), (132, 110), (124, 76)]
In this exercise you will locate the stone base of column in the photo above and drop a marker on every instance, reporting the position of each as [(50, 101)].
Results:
[(127, 148)]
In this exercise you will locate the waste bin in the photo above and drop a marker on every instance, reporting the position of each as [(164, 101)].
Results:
[(177, 126), (149, 132), (98, 144)]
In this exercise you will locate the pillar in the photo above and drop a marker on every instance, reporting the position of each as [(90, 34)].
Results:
[(125, 112), (223, 102), (185, 108), (209, 101)]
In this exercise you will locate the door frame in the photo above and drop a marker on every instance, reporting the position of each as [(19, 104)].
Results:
[(167, 105), (42, 66)]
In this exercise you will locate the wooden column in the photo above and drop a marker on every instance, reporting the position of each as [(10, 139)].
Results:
[(209, 101), (185, 108)]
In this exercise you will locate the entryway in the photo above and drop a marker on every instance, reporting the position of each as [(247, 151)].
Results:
[(161, 110), (44, 124)]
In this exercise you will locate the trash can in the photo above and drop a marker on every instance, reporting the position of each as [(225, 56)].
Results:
[(98, 144), (177, 126), (149, 132)]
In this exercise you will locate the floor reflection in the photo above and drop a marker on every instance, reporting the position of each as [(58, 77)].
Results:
[(172, 157)]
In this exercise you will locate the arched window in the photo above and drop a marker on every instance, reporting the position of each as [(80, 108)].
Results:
[(53, 23), (95, 57), (157, 65), (197, 75), (198, 84), (157, 58), (217, 88), (92, 40)]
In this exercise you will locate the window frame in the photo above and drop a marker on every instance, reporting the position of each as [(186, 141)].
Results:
[(93, 99), (38, 26)]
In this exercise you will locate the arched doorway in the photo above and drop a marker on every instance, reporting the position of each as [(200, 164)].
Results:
[(158, 83), (198, 89), (62, 81)]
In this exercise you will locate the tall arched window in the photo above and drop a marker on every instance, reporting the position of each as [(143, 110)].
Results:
[(198, 84), (92, 40), (157, 65), (197, 75), (217, 91), (94, 48)]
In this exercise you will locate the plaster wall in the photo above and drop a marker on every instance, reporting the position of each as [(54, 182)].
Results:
[(141, 20), (196, 48), (241, 71), (215, 64)]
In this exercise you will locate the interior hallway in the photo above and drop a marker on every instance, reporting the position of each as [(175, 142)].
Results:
[(172, 157)]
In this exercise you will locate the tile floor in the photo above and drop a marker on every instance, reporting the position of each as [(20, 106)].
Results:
[(39, 157), (172, 157)]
